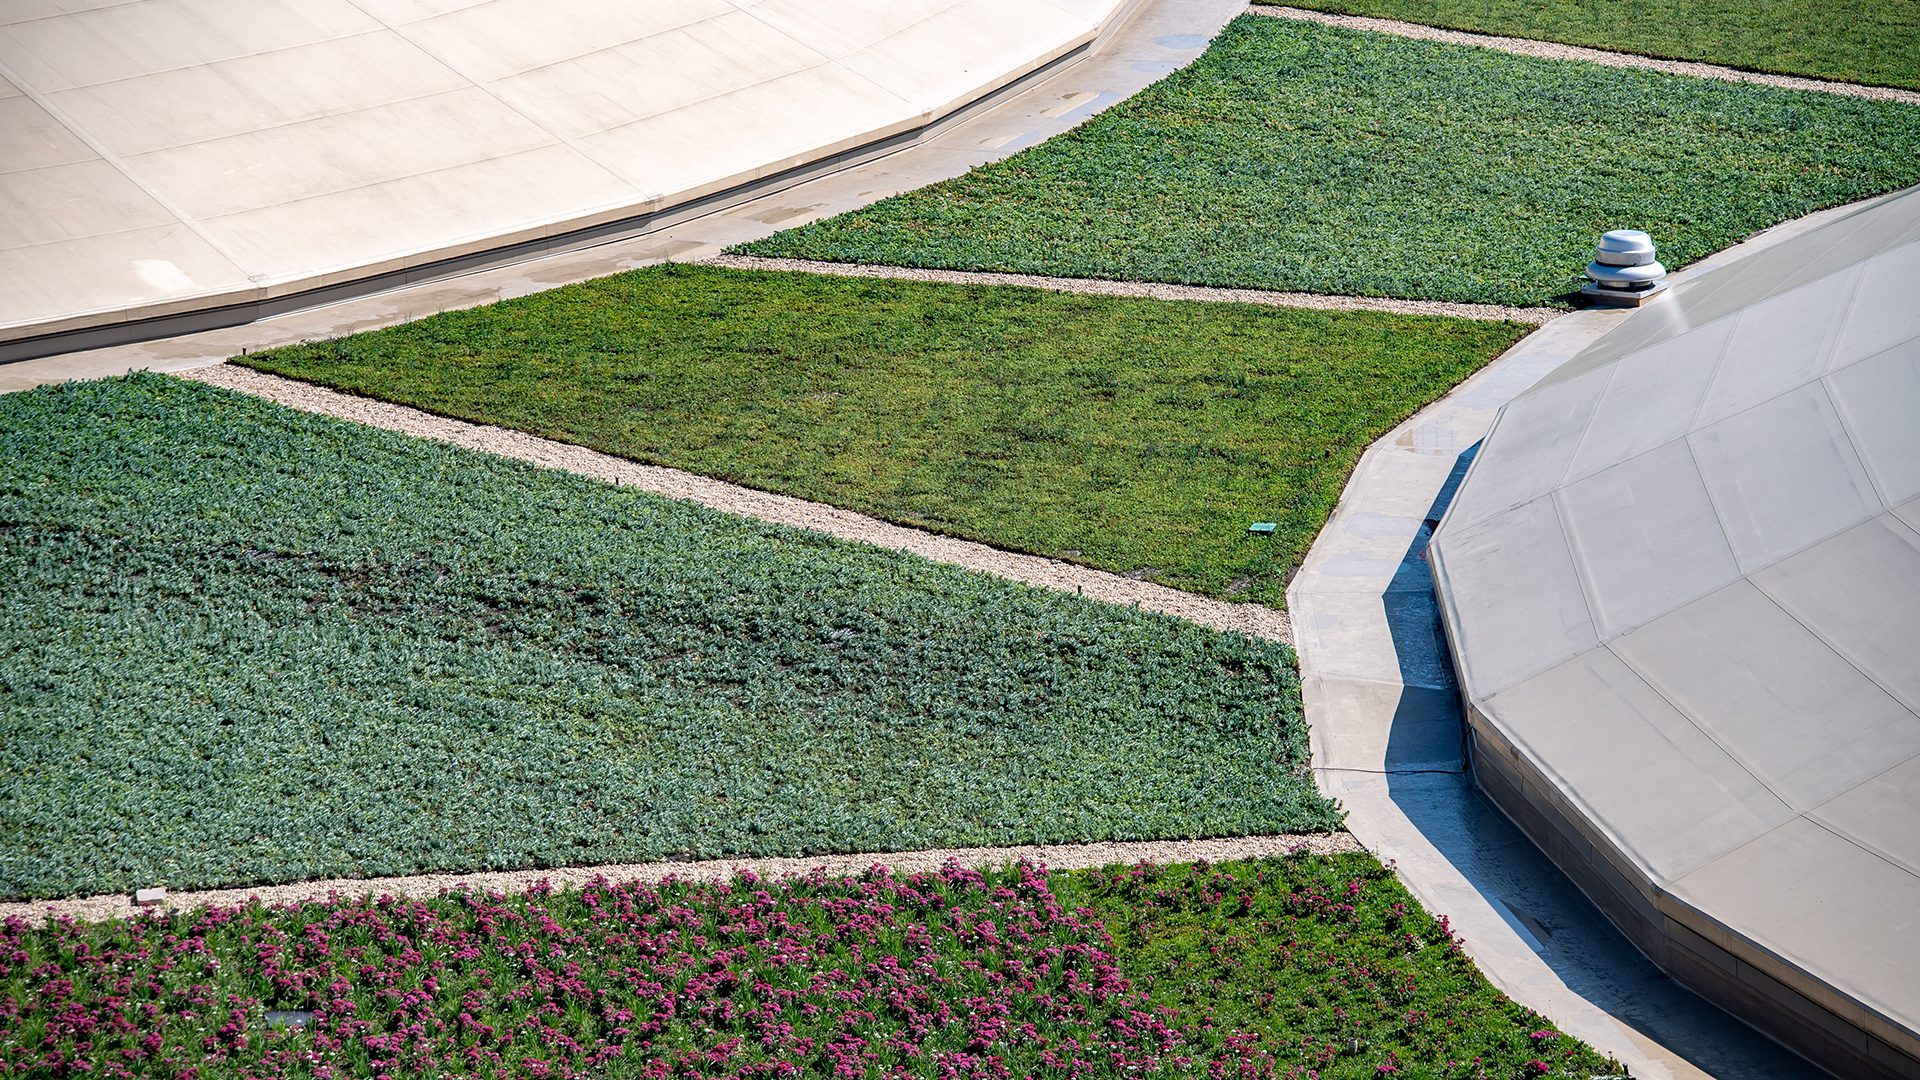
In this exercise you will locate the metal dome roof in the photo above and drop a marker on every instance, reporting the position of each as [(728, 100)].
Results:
[(1682, 582)]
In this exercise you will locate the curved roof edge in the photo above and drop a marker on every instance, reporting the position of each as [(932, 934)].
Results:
[(231, 159), (1682, 585)]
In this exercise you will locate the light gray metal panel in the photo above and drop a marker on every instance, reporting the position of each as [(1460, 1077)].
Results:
[(1808, 895), (1879, 400), (1783, 475), (1881, 814), (1860, 591), (1909, 512), (1879, 226), (1666, 795), (1645, 538), (1886, 308), (1518, 606), (1652, 398), (1528, 451), (1793, 711), (1779, 345)]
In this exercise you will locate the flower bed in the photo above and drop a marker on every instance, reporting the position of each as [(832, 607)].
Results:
[(1294, 967)]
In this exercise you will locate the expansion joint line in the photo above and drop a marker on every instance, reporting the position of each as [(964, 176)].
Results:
[(1147, 289), (1549, 50)]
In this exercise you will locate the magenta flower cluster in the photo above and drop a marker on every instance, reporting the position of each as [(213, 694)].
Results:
[(946, 975)]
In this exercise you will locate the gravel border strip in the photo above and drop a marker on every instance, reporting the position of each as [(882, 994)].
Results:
[(1056, 856), (1254, 620), (1549, 50), (1147, 289)]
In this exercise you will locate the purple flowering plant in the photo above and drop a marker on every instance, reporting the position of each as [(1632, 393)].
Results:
[(1297, 967)]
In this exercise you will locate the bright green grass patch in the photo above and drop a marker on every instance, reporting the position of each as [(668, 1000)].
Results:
[(1134, 435), (1297, 156), (1861, 41), (242, 644)]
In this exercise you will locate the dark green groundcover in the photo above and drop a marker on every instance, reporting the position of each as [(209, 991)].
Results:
[(242, 644), (1299, 156), (1860, 41), (1133, 435)]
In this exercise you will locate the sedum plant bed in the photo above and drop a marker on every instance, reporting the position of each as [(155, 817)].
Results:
[(243, 644), (1306, 157), (1297, 967), (1137, 436), (1859, 41)]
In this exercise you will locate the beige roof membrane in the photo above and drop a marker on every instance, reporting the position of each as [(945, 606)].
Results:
[(167, 155), (1682, 581)]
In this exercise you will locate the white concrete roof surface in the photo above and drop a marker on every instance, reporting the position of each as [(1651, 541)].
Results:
[(1683, 579), (166, 155)]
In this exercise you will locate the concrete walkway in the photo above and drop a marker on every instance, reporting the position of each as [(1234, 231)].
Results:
[(1550, 50), (1157, 38), (1386, 728)]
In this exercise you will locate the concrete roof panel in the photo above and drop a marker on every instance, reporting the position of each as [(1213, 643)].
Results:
[(1669, 797), (17, 11), (1783, 475), (1860, 592), (86, 198), (1808, 893), (1526, 611), (854, 25), (335, 153), (104, 273), (1879, 815), (612, 87), (1758, 682), (1886, 310), (129, 40), (1876, 401), (1779, 346), (509, 37), (1534, 437), (765, 126), (1909, 512), (948, 56), (397, 12), (246, 94), (415, 213), (1650, 511), (1651, 399), (30, 138)]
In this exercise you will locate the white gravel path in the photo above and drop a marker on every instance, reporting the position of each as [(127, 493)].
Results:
[(1148, 289), (1056, 856), (1549, 50), (1255, 620)]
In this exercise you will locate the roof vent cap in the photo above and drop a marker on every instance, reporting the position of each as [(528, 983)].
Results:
[(1624, 270)]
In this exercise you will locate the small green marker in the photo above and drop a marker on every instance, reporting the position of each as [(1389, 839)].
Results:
[(1263, 528)]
